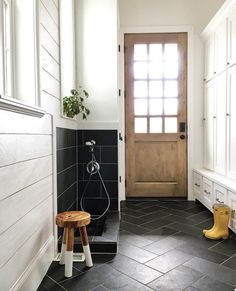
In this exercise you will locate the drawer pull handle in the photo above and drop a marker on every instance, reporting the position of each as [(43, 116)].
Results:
[(197, 185), (218, 200), (207, 192)]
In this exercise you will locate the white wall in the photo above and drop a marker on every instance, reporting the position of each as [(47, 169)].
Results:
[(161, 14), (28, 170), (96, 24)]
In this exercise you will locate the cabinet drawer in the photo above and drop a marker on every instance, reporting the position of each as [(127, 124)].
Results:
[(220, 194), (232, 205), (197, 184), (207, 186)]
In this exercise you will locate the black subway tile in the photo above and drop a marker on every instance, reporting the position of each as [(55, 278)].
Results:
[(65, 179), (102, 137), (109, 154), (65, 158)]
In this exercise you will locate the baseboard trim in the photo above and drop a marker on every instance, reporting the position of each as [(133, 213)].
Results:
[(37, 269)]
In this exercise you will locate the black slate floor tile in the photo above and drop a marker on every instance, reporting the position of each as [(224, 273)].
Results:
[(164, 245), (202, 253), (208, 284), (231, 262), (125, 283), (91, 279), (135, 270), (138, 254), (174, 257), (133, 228), (99, 288), (202, 216), (158, 234), (176, 280), (213, 270), (226, 247), (154, 224), (186, 228), (133, 239), (50, 285), (206, 224), (169, 261), (198, 241)]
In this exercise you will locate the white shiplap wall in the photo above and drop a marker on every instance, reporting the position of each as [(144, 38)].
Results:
[(27, 163)]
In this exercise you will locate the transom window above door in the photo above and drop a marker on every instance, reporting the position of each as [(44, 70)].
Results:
[(155, 87)]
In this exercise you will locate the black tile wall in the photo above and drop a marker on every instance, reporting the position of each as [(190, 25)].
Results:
[(67, 181), (106, 154), (72, 176)]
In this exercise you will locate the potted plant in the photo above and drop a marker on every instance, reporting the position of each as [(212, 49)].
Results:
[(74, 104)]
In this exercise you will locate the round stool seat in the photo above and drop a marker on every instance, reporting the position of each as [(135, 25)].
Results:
[(70, 220), (73, 219)]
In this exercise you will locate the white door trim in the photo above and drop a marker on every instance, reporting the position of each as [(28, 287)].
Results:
[(190, 97)]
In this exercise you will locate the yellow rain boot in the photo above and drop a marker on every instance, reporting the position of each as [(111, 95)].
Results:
[(214, 225), (220, 230)]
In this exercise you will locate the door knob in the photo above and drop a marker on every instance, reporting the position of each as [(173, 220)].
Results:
[(182, 136)]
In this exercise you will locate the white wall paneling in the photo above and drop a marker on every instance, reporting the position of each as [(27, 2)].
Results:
[(20, 175), (13, 208), (17, 148), (26, 252)]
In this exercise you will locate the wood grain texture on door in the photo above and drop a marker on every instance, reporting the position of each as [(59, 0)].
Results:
[(155, 110)]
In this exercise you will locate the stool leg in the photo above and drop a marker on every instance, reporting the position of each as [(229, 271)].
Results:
[(86, 248), (63, 248), (69, 252)]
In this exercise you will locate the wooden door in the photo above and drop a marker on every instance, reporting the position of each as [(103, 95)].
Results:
[(155, 84)]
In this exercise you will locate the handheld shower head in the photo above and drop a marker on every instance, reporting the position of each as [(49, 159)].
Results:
[(90, 142)]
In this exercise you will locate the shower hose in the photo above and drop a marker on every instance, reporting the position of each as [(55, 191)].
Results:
[(93, 168)]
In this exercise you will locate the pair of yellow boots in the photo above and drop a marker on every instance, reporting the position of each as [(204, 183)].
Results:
[(221, 220)]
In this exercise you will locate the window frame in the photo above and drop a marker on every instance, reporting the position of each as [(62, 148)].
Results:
[(9, 101)]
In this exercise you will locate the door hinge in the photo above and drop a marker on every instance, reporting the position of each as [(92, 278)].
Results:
[(119, 92), (120, 137), (119, 48), (120, 179)]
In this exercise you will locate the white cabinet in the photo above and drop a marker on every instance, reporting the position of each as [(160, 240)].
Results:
[(207, 192), (209, 58), (197, 185), (232, 205), (231, 112), (220, 53), (232, 37), (220, 124), (208, 138), (219, 194)]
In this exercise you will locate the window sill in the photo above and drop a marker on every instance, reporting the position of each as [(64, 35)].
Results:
[(19, 107)]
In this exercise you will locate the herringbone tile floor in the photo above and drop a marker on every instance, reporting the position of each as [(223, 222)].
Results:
[(161, 247)]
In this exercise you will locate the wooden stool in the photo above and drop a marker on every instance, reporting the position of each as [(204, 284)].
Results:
[(69, 221)]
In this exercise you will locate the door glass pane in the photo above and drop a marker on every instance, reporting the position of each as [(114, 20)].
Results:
[(140, 125), (171, 106), (171, 70), (155, 89), (155, 125), (140, 89), (170, 124), (140, 70), (171, 89), (171, 51), (140, 52), (155, 106), (155, 52), (155, 70), (140, 107)]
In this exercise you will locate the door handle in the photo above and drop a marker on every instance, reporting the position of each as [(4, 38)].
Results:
[(182, 136)]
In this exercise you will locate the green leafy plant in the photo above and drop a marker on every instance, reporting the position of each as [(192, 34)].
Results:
[(74, 104)]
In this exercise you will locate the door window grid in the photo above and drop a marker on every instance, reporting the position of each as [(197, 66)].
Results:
[(155, 74)]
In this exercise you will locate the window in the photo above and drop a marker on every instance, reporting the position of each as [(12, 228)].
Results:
[(155, 87), (18, 54)]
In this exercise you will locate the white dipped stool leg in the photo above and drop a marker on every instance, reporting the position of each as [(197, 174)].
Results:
[(86, 248), (69, 252), (63, 248)]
